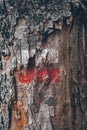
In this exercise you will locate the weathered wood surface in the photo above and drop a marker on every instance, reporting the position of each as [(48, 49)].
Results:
[(43, 64)]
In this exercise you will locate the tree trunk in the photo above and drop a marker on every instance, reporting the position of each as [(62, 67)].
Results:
[(43, 65)]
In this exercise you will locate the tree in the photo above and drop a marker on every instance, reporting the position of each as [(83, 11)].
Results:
[(43, 69)]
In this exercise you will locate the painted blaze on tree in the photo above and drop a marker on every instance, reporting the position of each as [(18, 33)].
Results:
[(42, 75)]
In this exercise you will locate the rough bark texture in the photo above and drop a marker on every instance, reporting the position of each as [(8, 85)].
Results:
[(43, 64)]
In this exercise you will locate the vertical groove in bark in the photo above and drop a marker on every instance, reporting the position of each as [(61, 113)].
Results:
[(77, 76)]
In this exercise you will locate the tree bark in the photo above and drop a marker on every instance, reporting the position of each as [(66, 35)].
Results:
[(43, 65)]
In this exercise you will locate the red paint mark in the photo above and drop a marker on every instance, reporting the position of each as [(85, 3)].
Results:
[(52, 74), (28, 77), (42, 75), (24, 79)]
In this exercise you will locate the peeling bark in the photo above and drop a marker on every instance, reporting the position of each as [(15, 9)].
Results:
[(43, 65)]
